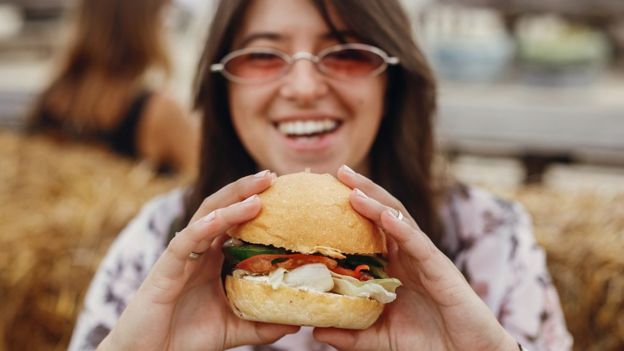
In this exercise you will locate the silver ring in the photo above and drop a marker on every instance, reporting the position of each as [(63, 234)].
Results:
[(195, 255), (400, 215)]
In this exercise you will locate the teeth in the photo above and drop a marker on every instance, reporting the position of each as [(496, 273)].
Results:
[(307, 127)]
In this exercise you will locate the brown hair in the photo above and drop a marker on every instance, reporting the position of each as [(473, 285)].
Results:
[(113, 44), (402, 155)]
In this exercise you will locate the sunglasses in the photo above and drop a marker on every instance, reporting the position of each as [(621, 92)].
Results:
[(344, 61)]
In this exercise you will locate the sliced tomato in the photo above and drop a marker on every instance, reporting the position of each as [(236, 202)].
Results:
[(297, 260), (266, 263), (259, 263), (355, 273)]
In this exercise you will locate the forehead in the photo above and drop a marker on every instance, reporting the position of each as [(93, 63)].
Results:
[(288, 18)]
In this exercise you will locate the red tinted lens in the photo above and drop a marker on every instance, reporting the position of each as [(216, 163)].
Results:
[(255, 65), (351, 63)]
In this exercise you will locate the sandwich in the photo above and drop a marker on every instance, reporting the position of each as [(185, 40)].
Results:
[(308, 258)]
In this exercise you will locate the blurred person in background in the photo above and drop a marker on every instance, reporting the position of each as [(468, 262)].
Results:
[(339, 87), (100, 93)]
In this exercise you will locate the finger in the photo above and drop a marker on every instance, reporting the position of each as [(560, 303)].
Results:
[(211, 261), (357, 181), (405, 233), (367, 206), (235, 192), (343, 339), (429, 260), (255, 333), (439, 275), (169, 274), (206, 243)]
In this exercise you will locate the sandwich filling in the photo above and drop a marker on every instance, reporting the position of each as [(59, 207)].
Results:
[(350, 275)]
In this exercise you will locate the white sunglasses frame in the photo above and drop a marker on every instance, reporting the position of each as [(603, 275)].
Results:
[(302, 55)]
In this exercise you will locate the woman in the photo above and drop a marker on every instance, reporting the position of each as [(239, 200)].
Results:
[(292, 84), (100, 93)]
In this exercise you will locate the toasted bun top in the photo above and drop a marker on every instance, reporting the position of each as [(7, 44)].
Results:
[(309, 213)]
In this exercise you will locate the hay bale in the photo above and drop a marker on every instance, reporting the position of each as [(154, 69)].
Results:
[(60, 207), (583, 234)]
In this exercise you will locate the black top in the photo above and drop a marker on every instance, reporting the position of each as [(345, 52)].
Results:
[(121, 139)]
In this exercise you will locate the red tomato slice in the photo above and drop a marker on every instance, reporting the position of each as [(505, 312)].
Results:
[(259, 263), (297, 260), (357, 273), (263, 263)]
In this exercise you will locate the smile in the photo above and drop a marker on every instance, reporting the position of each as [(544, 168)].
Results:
[(307, 128)]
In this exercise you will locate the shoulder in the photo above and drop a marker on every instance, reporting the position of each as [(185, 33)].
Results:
[(157, 215), (167, 133), (162, 115), (472, 212), (165, 120), (146, 234), (162, 108)]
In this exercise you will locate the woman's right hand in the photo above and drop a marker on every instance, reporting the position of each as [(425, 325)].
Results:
[(181, 304)]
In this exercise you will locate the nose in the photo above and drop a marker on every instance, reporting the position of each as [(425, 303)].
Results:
[(303, 84)]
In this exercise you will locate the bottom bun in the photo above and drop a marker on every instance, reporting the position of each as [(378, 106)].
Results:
[(258, 301)]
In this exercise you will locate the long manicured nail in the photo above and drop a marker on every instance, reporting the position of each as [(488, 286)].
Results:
[(262, 174), (396, 214), (250, 199), (348, 169), (209, 217), (360, 193)]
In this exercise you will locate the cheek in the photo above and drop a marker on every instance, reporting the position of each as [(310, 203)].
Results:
[(246, 102), (248, 110), (370, 104), (244, 107), (369, 98)]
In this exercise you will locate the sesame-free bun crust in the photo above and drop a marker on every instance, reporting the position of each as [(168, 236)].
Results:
[(304, 211), (258, 301)]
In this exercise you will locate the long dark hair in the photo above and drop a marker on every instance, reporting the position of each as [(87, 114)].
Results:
[(402, 154), (113, 44)]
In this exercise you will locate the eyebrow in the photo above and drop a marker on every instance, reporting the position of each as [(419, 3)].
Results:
[(341, 34)]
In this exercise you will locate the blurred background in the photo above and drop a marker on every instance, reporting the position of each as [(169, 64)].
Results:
[(531, 107)]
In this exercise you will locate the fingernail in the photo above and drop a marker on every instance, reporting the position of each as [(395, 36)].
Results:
[(396, 214), (348, 169), (249, 199), (360, 193), (262, 173), (209, 217)]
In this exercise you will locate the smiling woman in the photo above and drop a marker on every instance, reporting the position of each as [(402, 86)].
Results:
[(336, 87)]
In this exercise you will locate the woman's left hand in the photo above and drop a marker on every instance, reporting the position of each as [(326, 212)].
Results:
[(181, 305), (435, 309)]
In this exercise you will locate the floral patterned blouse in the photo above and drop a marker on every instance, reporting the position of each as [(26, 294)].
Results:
[(491, 238)]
